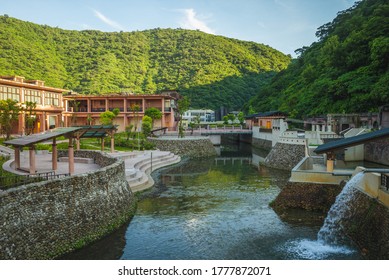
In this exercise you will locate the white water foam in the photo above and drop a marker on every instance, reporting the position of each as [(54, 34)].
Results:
[(314, 249), (330, 236)]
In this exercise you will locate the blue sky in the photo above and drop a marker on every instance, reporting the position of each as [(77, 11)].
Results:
[(285, 25)]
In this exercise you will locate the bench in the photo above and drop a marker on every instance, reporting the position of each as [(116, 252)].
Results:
[(77, 159)]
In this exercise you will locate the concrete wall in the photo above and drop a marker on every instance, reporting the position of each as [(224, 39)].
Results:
[(285, 156), (47, 219), (188, 146), (371, 185), (304, 172)]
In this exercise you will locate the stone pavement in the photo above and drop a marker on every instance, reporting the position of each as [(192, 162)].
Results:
[(138, 165)]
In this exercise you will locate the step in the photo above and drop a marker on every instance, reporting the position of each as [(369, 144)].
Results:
[(77, 160), (138, 167), (146, 164)]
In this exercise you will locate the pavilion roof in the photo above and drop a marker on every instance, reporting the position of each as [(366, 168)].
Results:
[(352, 141), (41, 137)]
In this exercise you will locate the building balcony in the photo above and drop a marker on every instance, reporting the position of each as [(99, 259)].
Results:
[(77, 110), (129, 109), (98, 110), (121, 109)]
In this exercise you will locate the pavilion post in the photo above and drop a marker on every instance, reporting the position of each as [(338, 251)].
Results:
[(330, 162), (71, 156), (17, 157), (112, 143), (102, 144), (54, 155), (32, 159), (78, 143)]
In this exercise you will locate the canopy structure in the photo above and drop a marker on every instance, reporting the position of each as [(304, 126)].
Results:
[(97, 131), (331, 147), (352, 141)]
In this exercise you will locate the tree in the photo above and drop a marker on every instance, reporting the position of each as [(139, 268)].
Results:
[(107, 117), (241, 118), (30, 117), (135, 109), (76, 106), (182, 107), (146, 125), (231, 118), (9, 114), (128, 130), (154, 114), (89, 119), (197, 121)]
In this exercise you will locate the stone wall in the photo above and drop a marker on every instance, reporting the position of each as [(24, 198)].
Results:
[(47, 219), (285, 156), (191, 147), (308, 196), (377, 151), (368, 226)]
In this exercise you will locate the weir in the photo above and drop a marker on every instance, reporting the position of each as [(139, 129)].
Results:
[(331, 238)]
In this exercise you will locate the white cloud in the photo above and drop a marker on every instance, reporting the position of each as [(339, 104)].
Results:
[(108, 21), (261, 24), (192, 21)]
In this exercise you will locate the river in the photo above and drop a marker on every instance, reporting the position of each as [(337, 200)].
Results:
[(216, 208)]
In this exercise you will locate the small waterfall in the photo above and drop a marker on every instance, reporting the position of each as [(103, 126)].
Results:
[(331, 231), (330, 238)]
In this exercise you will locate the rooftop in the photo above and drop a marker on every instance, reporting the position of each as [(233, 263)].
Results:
[(352, 141)]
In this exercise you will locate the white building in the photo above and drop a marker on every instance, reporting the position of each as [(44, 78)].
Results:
[(204, 114)]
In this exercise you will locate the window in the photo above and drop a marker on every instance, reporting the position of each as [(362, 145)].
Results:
[(33, 96), (7, 92), (51, 99)]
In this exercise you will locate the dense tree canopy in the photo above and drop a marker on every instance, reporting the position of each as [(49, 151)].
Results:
[(346, 71), (212, 70)]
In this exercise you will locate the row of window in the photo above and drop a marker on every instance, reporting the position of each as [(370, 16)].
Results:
[(7, 92)]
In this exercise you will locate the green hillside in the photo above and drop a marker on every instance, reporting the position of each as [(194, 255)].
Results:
[(346, 71), (212, 70)]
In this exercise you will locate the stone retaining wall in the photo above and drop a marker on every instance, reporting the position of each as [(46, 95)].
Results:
[(308, 196), (368, 226), (367, 222), (47, 219), (285, 156), (191, 147)]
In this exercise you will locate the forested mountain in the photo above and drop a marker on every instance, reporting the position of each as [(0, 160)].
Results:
[(346, 71), (212, 70)]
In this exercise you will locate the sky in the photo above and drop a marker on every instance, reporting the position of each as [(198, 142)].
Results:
[(285, 25)]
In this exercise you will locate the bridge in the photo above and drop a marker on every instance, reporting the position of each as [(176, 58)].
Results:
[(224, 130), (216, 133), (213, 132)]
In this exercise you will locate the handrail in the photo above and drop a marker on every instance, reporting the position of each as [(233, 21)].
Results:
[(376, 170), (19, 180)]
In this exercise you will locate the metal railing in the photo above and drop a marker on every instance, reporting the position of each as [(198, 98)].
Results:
[(12, 181)]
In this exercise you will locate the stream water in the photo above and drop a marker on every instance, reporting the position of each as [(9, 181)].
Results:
[(217, 208)]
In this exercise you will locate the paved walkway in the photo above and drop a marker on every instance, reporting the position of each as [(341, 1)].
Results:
[(43, 164), (137, 164)]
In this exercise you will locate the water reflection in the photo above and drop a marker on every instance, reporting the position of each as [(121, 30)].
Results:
[(214, 208)]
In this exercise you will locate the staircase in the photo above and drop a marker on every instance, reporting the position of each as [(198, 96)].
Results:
[(140, 165)]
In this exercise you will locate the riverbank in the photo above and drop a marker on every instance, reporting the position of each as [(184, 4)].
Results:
[(47, 219)]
